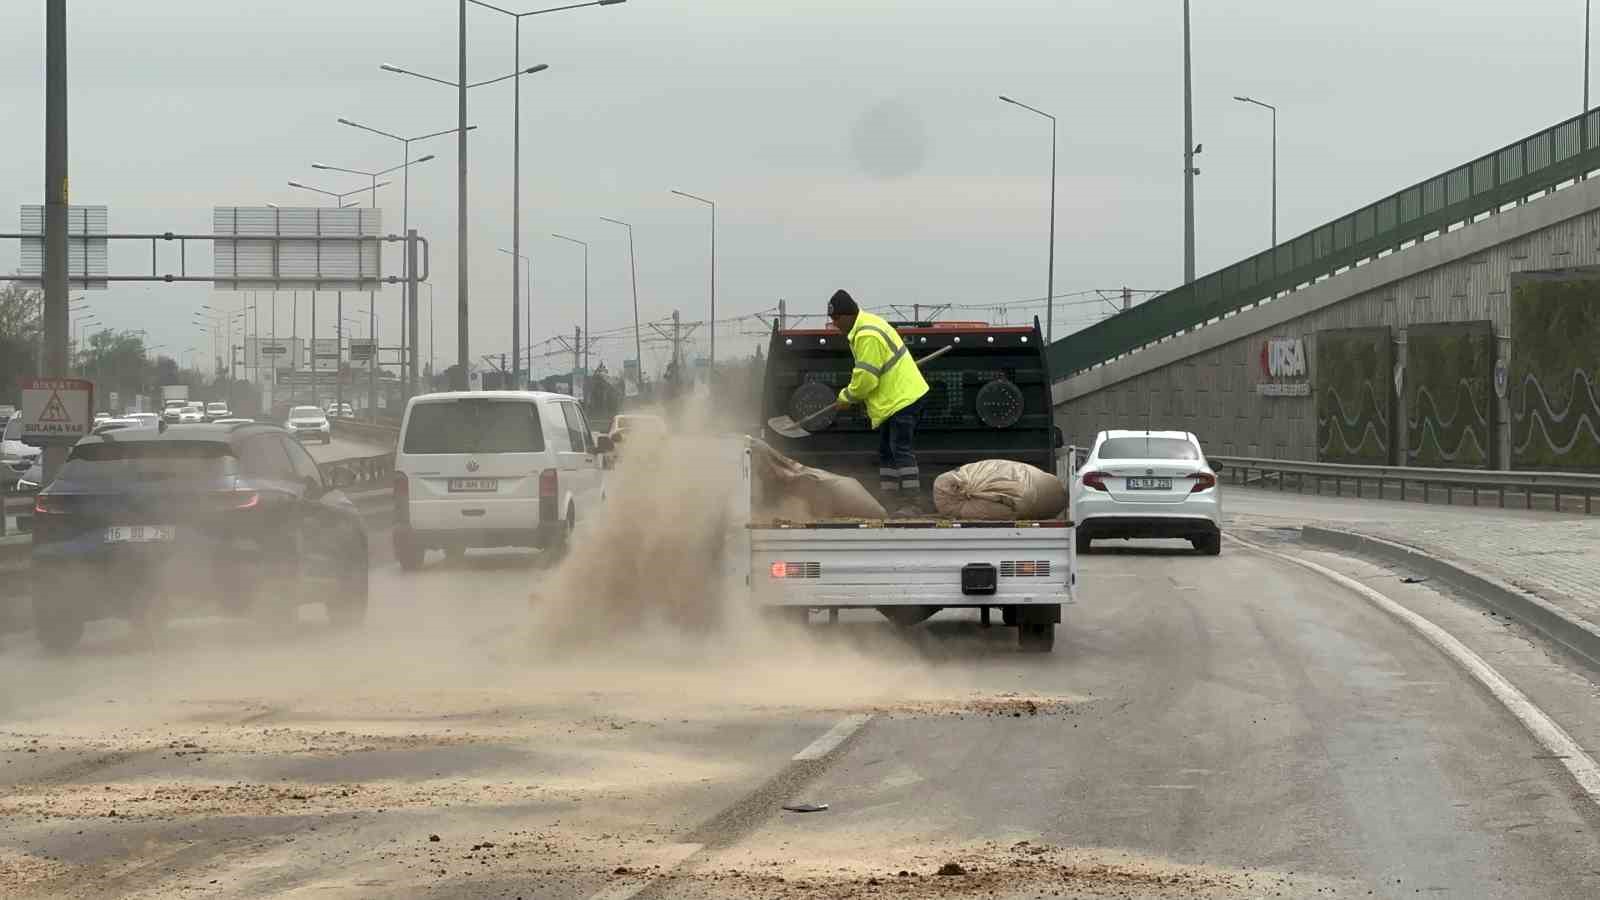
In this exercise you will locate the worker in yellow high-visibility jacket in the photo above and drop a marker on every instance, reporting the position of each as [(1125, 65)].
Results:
[(887, 380)]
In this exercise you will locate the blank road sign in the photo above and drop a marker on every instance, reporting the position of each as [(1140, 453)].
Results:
[(308, 261)]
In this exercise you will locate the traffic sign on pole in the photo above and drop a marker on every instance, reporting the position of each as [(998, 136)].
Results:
[(56, 410)]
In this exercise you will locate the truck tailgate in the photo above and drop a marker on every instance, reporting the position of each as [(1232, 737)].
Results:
[(890, 566)]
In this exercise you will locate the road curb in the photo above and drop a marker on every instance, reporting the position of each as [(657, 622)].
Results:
[(1577, 637)]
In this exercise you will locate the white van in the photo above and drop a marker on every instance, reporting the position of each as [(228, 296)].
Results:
[(493, 469)]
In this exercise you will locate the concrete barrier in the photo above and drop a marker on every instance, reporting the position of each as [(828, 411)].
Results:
[(1577, 637), (367, 432)]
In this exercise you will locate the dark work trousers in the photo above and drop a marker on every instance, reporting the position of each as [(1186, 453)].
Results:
[(897, 460)]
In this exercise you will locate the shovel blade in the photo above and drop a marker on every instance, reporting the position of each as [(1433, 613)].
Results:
[(787, 427)]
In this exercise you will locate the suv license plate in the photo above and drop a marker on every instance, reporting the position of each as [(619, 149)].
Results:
[(140, 534), (1149, 484), (474, 485)]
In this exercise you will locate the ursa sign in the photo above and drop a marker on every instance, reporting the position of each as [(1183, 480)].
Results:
[(1283, 358)]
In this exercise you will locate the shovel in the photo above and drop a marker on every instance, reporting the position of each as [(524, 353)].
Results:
[(789, 428)]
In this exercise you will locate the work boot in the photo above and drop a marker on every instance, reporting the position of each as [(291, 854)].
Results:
[(912, 508)]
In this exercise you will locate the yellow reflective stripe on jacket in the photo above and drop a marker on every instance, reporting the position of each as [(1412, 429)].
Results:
[(881, 377)]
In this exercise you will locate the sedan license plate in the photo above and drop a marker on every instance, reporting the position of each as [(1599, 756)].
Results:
[(1149, 484), (474, 485), (140, 534)]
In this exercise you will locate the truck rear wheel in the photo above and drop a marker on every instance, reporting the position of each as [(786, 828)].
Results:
[(1036, 638), (907, 616)]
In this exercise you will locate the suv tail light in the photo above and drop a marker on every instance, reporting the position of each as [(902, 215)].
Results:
[(241, 499), (1203, 481), (1095, 480), (46, 505), (549, 496), (402, 499)]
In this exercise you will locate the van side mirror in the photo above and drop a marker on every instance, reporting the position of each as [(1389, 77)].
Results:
[(1061, 439), (604, 444)]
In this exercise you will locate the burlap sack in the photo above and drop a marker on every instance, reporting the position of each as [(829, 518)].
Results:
[(999, 490), (792, 490)]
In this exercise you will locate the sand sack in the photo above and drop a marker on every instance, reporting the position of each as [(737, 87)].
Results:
[(999, 490), (799, 491)]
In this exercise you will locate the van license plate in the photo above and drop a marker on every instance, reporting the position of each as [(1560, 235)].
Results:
[(1149, 484), (474, 485), (140, 534)]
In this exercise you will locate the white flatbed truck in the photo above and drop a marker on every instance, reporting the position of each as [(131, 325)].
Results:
[(910, 568)]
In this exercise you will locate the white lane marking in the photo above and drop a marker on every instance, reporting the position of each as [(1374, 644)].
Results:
[(1544, 729), (835, 736), (671, 857)]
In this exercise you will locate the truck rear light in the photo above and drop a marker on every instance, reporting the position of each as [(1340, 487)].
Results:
[(1203, 481), (241, 499), (48, 506), (548, 485), (1025, 568), (402, 499), (791, 569), (1094, 480)]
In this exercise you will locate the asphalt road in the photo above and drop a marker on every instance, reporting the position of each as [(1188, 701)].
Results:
[(1207, 727)]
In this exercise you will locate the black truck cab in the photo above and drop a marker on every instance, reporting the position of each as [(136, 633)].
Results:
[(988, 398)]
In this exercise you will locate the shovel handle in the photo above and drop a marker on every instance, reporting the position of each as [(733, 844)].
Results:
[(829, 408)]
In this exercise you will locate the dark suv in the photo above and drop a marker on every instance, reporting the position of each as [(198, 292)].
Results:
[(143, 525)]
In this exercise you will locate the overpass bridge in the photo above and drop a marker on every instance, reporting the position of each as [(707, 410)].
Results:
[(1448, 324)]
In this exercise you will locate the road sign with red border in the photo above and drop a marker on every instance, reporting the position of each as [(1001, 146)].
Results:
[(56, 410)]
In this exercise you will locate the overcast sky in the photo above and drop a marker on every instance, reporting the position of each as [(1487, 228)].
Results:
[(848, 143)]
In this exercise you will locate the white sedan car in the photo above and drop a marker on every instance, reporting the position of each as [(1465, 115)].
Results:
[(1147, 484)]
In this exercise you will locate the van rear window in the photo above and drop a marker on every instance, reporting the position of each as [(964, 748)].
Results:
[(474, 426)]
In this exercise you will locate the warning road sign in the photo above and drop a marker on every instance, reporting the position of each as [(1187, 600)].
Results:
[(56, 410)]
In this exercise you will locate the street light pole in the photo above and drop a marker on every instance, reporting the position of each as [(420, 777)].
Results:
[(410, 321), (1050, 277), (633, 274), (712, 324), (1274, 111), (405, 169), (586, 339), (461, 85), (516, 165), (527, 274), (1188, 157), (56, 202)]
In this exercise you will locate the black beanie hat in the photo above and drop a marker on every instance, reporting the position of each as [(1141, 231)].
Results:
[(842, 304)]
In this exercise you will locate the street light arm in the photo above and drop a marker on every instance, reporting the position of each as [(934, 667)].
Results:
[(346, 171), (572, 239), (616, 222), (1025, 106), (399, 71), (695, 197), (1256, 102), (370, 128), (440, 133), (528, 71), (517, 255), (307, 187), (538, 12)]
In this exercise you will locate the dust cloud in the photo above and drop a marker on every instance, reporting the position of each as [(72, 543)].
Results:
[(646, 585)]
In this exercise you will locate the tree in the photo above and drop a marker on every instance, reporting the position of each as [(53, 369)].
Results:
[(20, 322)]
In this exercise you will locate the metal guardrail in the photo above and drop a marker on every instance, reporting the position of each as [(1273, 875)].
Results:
[(1540, 162), (369, 432), (1496, 483)]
